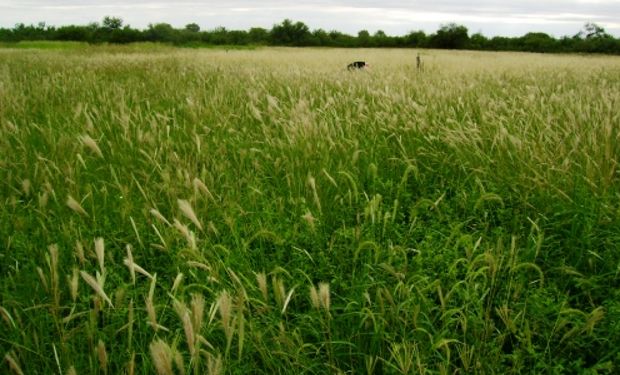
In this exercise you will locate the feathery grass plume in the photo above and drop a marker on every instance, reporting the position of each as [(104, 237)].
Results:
[(314, 297), (91, 144), (177, 283), (287, 300), (309, 219), (312, 184), (43, 199), (188, 211), (150, 305), (26, 185), (9, 358), (95, 285), (75, 206), (279, 290), (178, 362), (79, 252), (102, 356), (54, 279), (225, 306), (71, 371), (200, 186), (74, 283), (133, 267), (160, 217), (198, 310), (324, 295), (214, 364), (100, 252), (6, 316), (162, 357), (261, 279), (188, 327), (189, 236), (43, 279), (129, 263)]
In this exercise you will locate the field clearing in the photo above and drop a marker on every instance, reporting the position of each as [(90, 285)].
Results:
[(209, 211)]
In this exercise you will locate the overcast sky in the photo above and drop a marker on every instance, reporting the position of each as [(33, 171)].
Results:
[(395, 17)]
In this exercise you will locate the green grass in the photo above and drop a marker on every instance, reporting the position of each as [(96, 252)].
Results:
[(46, 45), (288, 216)]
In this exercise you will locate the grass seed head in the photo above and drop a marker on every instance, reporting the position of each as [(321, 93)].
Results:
[(76, 206), (261, 279), (314, 297), (91, 144), (102, 356), (188, 211), (10, 359), (100, 252), (96, 286), (162, 357), (324, 295)]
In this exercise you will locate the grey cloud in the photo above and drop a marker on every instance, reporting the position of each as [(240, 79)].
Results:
[(393, 16)]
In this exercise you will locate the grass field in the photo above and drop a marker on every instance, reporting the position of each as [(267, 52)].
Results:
[(207, 211)]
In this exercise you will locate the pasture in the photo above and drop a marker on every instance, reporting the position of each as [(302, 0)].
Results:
[(266, 211)]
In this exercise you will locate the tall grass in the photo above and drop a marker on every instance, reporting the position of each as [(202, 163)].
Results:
[(203, 211)]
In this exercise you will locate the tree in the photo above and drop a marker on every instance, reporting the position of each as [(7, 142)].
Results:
[(537, 42), (416, 39), (258, 35), (592, 30), (450, 36), (291, 34), (161, 32), (112, 23), (192, 27), (363, 38)]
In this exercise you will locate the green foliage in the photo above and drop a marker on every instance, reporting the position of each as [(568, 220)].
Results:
[(593, 39)]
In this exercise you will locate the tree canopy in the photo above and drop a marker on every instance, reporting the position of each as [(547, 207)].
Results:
[(591, 39)]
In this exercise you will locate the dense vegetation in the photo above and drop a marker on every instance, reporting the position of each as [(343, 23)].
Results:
[(203, 211), (592, 39)]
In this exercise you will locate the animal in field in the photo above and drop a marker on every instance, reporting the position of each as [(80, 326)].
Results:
[(357, 65)]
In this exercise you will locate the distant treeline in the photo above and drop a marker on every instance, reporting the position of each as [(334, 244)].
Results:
[(592, 39)]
